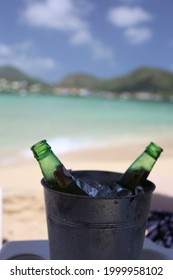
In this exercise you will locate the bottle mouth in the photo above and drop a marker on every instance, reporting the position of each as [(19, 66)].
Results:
[(154, 149), (40, 147)]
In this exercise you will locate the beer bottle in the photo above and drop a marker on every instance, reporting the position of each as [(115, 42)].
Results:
[(55, 174), (139, 170)]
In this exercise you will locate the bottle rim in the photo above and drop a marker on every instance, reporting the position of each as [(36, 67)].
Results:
[(154, 150), (156, 146), (39, 143), (40, 148)]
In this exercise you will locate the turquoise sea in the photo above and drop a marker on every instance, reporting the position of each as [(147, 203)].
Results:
[(70, 123)]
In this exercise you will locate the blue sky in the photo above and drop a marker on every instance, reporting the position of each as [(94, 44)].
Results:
[(106, 38)]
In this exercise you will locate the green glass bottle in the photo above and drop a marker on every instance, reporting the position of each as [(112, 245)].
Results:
[(55, 174), (139, 170)]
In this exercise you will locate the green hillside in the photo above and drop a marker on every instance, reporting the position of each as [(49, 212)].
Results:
[(143, 79), (79, 81), (13, 74)]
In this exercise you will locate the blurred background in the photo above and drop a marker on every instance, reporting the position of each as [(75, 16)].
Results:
[(95, 79)]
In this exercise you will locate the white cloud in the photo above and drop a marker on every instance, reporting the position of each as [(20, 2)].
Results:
[(20, 55), (129, 19), (125, 16), (129, 1), (99, 50), (81, 37), (4, 50), (34, 64), (138, 35), (24, 45), (66, 16), (63, 15)]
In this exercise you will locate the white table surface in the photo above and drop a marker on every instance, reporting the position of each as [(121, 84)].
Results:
[(38, 249)]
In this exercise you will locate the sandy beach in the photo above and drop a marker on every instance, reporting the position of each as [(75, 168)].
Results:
[(23, 201)]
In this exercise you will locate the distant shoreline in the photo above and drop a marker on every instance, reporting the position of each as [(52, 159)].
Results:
[(142, 83), (139, 96)]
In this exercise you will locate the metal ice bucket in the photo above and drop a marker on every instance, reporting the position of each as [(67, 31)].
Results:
[(87, 228)]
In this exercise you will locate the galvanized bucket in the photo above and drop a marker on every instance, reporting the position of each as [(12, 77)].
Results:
[(86, 228)]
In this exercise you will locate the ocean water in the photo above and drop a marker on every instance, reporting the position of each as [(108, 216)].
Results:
[(70, 123)]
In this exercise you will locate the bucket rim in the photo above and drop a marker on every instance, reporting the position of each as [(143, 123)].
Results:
[(44, 184)]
